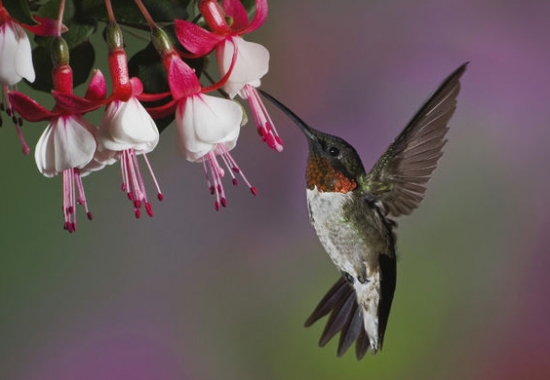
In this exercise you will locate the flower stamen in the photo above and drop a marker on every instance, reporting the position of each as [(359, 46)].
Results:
[(17, 123), (266, 127), (133, 184), (214, 180), (72, 183)]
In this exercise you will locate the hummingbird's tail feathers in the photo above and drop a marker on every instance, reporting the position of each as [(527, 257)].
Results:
[(338, 291), (338, 319), (351, 330), (362, 345), (345, 317)]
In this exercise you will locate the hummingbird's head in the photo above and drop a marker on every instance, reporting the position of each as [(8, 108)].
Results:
[(333, 165)]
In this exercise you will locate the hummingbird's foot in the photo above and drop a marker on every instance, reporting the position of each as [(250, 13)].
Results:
[(362, 278), (361, 270), (348, 277)]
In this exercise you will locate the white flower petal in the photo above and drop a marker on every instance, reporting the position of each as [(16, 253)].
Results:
[(23, 57), (127, 125), (251, 64), (92, 166), (68, 142), (204, 121), (8, 51), (106, 156)]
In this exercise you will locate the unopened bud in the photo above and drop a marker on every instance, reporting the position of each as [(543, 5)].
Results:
[(114, 36), (161, 41), (59, 52)]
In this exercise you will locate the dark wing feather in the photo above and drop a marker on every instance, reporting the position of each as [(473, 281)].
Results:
[(388, 271), (399, 177)]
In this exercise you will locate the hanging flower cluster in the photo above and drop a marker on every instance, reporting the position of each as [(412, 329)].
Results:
[(208, 119)]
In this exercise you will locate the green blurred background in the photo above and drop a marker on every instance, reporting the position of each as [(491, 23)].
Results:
[(196, 294)]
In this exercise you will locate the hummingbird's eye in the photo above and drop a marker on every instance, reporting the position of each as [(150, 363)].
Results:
[(333, 151)]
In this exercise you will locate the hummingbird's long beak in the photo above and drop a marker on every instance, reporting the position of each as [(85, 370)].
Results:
[(306, 129)]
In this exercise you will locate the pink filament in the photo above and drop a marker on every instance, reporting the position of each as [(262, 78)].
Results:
[(73, 193), (214, 174), (133, 184), (266, 128)]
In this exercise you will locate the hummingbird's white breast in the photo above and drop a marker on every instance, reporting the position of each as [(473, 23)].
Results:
[(343, 242), (346, 245)]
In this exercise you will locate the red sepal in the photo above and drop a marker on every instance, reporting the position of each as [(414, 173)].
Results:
[(28, 108)]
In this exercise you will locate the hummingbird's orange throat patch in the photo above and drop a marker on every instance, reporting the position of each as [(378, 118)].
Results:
[(321, 173)]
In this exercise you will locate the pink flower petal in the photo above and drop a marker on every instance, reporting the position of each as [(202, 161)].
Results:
[(163, 111), (73, 104), (97, 89), (28, 108), (196, 39), (259, 17), (46, 27), (236, 10), (137, 86), (181, 78)]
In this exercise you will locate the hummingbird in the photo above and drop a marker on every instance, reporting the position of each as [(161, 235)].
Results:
[(352, 213)]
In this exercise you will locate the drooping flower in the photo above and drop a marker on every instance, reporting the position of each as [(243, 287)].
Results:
[(207, 127), (68, 143), (245, 62), (16, 56), (15, 49), (126, 129)]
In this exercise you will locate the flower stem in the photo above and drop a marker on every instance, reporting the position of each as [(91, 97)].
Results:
[(110, 12), (60, 18), (145, 14)]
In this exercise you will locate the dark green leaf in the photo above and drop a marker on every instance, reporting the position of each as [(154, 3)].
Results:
[(126, 11), (19, 10), (50, 9), (79, 31), (42, 62), (250, 6), (80, 26), (82, 61)]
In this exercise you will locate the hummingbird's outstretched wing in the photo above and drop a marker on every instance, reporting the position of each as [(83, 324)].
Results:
[(346, 315), (399, 177)]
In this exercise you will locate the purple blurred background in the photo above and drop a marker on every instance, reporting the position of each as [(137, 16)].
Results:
[(195, 294)]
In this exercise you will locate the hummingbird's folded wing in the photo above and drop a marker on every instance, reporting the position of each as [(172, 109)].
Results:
[(399, 177)]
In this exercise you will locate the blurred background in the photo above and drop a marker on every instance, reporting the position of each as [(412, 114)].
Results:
[(197, 294)]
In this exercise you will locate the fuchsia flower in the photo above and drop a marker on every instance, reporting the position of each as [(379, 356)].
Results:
[(251, 60), (16, 55), (15, 49), (68, 143), (126, 129), (207, 127)]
